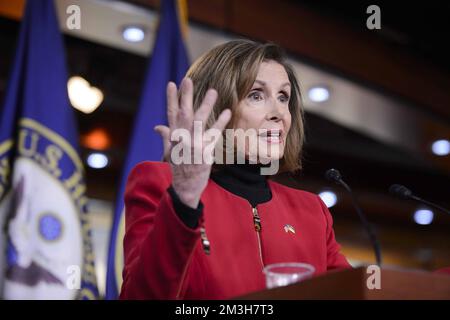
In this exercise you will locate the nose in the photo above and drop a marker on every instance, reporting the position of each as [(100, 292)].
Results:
[(275, 111)]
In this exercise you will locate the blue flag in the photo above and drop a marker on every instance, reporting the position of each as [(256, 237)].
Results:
[(169, 62), (46, 251)]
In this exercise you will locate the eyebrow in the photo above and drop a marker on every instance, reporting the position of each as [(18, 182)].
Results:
[(263, 83)]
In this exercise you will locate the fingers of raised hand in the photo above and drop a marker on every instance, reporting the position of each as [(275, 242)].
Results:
[(186, 113), (222, 121), (203, 112), (172, 105), (179, 110), (164, 131)]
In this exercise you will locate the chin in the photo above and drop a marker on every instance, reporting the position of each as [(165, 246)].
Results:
[(267, 155), (273, 154), (277, 156)]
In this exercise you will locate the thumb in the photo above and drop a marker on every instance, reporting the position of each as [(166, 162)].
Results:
[(164, 132)]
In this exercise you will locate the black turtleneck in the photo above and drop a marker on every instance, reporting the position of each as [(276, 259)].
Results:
[(243, 180)]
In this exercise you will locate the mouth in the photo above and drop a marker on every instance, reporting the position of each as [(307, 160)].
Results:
[(272, 136)]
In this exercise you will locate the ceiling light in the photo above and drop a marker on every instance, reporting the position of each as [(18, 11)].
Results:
[(318, 94), (97, 139), (423, 216), (97, 160), (441, 147), (83, 96), (329, 198), (133, 34)]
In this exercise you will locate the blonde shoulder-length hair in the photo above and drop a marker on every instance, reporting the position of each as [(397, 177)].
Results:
[(231, 69)]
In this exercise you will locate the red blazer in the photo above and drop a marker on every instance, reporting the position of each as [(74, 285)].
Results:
[(165, 259)]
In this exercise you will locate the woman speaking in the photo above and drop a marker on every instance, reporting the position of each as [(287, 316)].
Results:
[(202, 230)]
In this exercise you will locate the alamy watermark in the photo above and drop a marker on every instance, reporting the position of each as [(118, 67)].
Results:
[(374, 20), (373, 281), (73, 21), (73, 280), (234, 146)]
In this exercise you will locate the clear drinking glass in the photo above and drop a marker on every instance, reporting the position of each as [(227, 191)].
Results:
[(283, 274)]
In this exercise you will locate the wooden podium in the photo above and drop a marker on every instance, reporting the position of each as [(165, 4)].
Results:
[(352, 284)]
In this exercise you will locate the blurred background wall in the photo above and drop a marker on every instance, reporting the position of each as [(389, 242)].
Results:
[(377, 104)]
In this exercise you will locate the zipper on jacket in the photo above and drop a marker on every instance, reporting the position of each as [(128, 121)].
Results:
[(205, 242), (256, 220), (257, 224)]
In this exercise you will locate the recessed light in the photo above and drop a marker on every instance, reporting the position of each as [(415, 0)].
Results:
[(423, 216), (97, 160), (329, 198), (133, 34), (441, 147), (318, 94)]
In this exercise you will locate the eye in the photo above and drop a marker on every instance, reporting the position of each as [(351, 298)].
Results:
[(256, 95), (284, 97)]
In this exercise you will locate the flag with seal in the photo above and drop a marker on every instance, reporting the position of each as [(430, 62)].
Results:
[(46, 242)]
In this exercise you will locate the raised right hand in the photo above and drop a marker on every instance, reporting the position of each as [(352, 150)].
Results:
[(188, 179)]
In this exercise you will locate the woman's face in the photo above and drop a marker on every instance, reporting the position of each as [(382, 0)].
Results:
[(266, 109)]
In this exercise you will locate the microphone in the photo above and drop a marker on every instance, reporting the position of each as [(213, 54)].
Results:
[(404, 193), (400, 191), (336, 177)]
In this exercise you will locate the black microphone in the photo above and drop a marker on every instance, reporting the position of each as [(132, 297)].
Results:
[(404, 193), (335, 176)]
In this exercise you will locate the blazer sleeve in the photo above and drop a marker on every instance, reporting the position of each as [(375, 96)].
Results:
[(335, 259), (158, 246)]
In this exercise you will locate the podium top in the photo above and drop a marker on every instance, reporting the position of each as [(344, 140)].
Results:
[(363, 283)]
